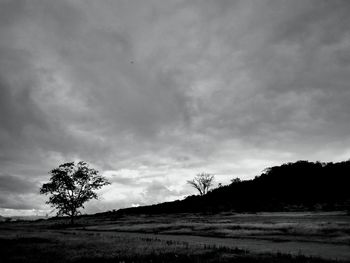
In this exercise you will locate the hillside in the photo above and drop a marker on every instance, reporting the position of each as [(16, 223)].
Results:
[(295, 186)]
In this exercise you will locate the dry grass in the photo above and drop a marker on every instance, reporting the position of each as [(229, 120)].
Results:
[(76, 246), (179, 238), (313, 227)]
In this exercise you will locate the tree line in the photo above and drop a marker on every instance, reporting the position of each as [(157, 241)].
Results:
[(298, 186)]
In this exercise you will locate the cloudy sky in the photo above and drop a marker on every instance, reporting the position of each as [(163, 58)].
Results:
[(152, 92)]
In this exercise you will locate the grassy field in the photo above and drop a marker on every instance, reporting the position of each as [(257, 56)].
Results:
[(229, 237), (314, 227)]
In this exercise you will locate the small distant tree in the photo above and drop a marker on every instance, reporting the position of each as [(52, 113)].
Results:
[(202, 182), (235, 180), (70, 186)]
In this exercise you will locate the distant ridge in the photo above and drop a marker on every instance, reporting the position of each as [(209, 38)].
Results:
[(299, 186)]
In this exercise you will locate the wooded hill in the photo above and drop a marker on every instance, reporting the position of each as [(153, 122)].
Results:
[(295, 186)]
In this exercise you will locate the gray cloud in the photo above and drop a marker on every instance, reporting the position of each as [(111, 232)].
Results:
[(21, 202), (18, 192), (16, 184), (169, 89), (157, 192)]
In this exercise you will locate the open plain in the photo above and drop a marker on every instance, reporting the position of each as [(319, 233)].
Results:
[(223, 237)]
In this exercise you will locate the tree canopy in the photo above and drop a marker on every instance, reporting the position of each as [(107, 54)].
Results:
[(70, 186)]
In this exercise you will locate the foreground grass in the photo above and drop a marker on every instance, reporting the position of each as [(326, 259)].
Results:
[(331, 228), (74, 246)]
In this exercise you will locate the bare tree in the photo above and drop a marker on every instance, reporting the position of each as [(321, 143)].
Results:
[(202, 182)]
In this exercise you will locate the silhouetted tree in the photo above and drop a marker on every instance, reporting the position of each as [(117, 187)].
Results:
[(298, 186), (202, 182), (235, 180), (70, 186)]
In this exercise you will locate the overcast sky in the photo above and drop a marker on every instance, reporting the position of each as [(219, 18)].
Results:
[(151, 93)]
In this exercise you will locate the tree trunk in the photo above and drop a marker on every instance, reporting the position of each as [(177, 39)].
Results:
[(72, 219)]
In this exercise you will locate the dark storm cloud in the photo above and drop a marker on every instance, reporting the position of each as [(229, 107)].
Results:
[(155, 92)]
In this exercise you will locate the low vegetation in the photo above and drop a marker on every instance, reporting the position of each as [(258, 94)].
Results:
[(245, 237), (332, 228), (30, 245)]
